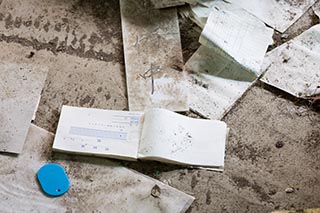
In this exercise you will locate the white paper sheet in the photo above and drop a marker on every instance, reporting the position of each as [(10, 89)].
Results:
[(238, 34), (234, 43), (212, 97), (215, 83), (20, 89), (209, 61), (96, 184), (99, 132), (153, 57), (279, 14), (294, 66), (177, 138)]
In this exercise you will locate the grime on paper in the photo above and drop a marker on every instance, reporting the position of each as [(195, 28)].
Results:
[(229, 60), (279, 14), (294, 66), (156, 134), (153, 57), (92, 181)]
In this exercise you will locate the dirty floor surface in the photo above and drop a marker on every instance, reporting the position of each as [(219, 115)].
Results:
[(273, 152)]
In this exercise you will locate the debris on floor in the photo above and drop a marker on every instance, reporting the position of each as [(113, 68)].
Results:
[(153, 57), (289, 190), (157, 134), (212, 97), (119, 187), (294, 66), (71, 53), (279, 14), (20, 88), (237, 35), (233, 47)]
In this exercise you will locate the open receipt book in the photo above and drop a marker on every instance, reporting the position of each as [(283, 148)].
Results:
[(157, 134)]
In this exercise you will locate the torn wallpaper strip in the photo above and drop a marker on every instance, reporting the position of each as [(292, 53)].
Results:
[(96, 184), (153, 57), (294, 66)]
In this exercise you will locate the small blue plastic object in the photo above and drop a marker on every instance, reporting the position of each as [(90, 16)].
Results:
[(53, 180)]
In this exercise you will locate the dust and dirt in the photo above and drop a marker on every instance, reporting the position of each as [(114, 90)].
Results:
[(242, 183), (77, 46), (74, 42), (190, 34), (247, 152), (312, 142), (302, 24)]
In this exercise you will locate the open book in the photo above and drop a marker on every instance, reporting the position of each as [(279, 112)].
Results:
[(157, 134)]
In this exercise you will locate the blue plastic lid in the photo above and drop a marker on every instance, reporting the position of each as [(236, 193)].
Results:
[(53, 179)]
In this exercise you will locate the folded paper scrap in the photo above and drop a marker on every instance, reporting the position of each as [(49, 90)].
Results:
[(157, 134), (237, 35), (234, 43), (294, 66), (96, 184)]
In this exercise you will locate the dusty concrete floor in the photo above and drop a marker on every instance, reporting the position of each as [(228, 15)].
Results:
[(80, 42)]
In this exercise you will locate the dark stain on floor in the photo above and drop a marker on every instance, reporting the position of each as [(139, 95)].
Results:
[(242, 182), (312, 142), (208, 197), (194, 181)]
